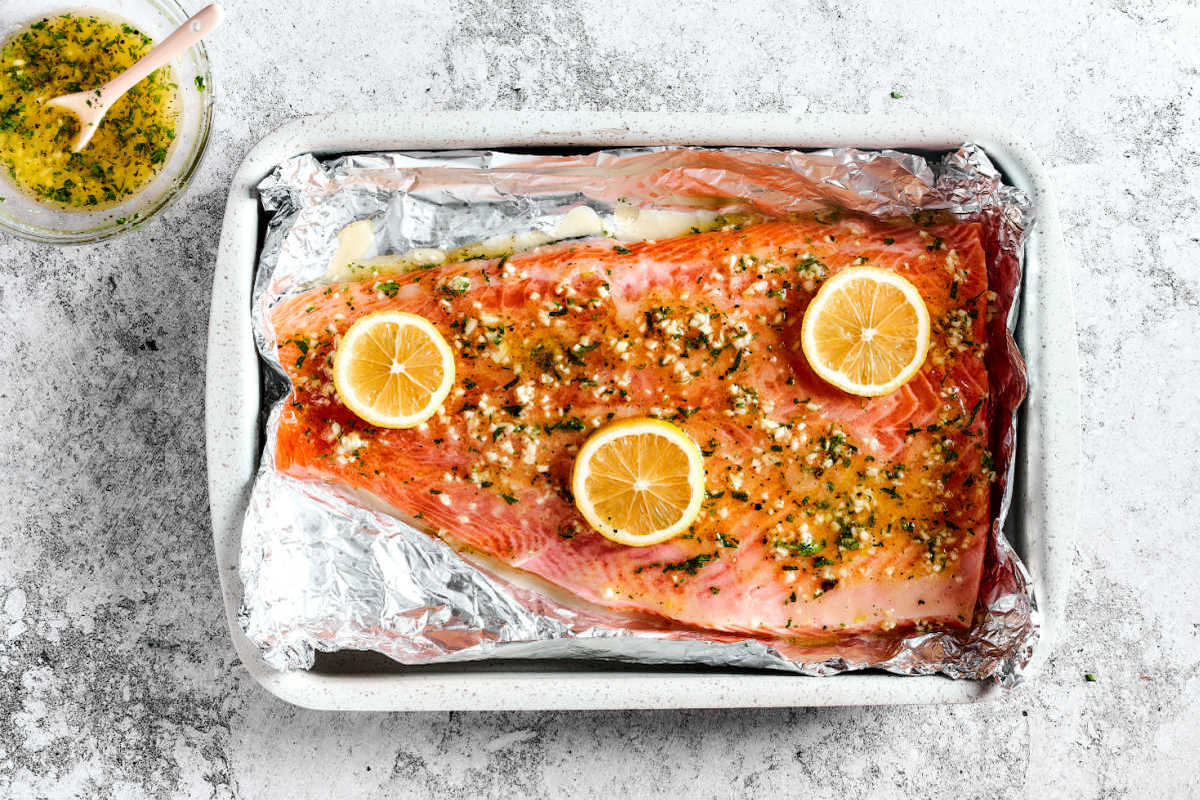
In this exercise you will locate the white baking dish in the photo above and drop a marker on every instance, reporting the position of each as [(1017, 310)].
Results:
[(1045, 500)]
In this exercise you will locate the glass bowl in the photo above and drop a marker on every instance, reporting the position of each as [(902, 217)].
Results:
[(24, 216)]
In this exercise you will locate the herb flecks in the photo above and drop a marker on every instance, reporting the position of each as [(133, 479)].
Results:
[(802, 548), (725, 540), (692, 565)]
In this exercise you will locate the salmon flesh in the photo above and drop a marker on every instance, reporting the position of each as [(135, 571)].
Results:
[(826, 515)]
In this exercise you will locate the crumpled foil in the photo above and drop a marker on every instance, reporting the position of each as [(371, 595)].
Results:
[(325, 570)]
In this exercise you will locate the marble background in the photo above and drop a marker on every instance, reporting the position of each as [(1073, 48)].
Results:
[(117, 677)]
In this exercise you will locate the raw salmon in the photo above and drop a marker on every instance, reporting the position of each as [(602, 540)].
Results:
[(826, 514)]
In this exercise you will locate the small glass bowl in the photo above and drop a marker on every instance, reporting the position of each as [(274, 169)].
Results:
[(24, 216)]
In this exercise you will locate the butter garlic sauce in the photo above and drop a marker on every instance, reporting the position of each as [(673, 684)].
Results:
[(72, 53)]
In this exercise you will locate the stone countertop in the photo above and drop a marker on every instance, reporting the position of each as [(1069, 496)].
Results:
[(117, 677)]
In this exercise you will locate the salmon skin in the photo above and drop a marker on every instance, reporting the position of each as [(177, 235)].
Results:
[(827, 516)]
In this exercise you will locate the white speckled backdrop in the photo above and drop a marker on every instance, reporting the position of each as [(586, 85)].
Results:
[(117, 678)]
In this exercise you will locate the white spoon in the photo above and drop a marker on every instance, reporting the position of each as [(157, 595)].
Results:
[(91, 106)]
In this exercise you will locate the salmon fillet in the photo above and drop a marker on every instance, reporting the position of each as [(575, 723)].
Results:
[(826, 515)]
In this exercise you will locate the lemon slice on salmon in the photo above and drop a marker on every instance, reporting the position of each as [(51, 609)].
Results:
[(639, 482), (866, 331), (393, 369)]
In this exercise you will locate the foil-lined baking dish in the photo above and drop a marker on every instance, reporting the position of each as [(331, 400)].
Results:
[(279, 605)]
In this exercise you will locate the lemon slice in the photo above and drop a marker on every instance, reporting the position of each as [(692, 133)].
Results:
[(393, 369), (639, 481), (866, 331)]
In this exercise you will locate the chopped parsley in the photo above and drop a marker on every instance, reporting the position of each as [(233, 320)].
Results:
[(692, 565), (568, 424), (458, 285), (802, 548)]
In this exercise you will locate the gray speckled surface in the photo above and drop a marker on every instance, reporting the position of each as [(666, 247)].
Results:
[(116, 674)]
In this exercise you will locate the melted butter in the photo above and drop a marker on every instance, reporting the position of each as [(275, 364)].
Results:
[(633, 224), (352, 259), (72, 53), (577, 223), (354, 242)]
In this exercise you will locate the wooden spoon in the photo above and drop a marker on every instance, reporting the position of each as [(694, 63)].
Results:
[(91, 106)]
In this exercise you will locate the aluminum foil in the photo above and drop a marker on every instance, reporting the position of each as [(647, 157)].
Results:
[(326, 570)]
